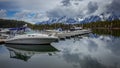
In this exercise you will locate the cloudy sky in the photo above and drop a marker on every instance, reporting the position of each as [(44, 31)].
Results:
[(41, 10)]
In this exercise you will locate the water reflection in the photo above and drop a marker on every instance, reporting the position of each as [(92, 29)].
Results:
[(92, 52), (114, 32), (25, 52), (86, 51)]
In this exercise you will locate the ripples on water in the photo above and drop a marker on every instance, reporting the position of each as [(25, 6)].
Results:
[(87, 51)]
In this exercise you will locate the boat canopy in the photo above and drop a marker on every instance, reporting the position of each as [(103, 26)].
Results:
[(21, 28)]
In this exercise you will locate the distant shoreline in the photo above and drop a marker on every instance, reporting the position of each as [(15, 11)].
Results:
[(107, 28)]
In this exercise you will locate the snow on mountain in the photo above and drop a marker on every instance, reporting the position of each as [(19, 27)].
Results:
[(74, 20)]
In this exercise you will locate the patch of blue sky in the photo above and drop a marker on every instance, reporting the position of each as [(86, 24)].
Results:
[(11, 13), (31, 15)]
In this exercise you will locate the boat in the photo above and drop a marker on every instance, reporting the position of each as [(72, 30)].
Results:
[(74, 31), (36, 38), (3, 31), (74, 28)]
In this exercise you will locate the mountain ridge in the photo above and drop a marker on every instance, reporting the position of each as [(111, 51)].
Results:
[(79, 20)]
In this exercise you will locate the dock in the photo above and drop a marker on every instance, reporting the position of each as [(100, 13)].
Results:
[(71, 34)]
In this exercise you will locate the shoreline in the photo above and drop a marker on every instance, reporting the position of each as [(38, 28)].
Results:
[(107, 28)]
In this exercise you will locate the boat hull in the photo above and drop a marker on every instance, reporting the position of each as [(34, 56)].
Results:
[(31, 41), (38, 48)]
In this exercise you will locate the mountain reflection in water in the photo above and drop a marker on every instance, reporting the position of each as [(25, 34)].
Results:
[(86, 51)]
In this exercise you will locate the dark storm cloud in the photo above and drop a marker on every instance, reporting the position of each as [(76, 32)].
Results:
[(114, 7), (65, 2), (68, 2), (58, 8), (8, 5), (92, 7), (73, 8), (54, 13)]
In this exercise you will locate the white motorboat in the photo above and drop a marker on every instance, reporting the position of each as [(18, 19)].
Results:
[(3, 31), (32, 39)]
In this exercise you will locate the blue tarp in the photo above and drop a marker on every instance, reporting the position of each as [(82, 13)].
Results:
[(21, 28)]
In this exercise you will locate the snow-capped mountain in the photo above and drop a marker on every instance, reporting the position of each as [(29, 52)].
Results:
[(75, 20), (64, 19)]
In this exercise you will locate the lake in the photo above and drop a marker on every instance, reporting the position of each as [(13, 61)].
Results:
[(100, 49)]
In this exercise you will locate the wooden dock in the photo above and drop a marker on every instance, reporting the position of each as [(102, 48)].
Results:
[(67, 34), (72, 33)]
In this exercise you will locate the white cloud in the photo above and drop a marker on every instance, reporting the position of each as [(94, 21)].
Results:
[(83, 8), (30, 16), (34, 5), (4, 0), (3, 13), (40, 10), (29, 10), (39, 5)]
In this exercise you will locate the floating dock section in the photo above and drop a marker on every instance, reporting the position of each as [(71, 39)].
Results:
[(72, 33)]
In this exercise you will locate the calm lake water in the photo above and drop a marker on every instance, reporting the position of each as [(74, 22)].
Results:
[(95, 50)]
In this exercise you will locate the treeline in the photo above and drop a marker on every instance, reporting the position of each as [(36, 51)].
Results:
[(94, 25), (13, 23), (115, 24), (54, 26)]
